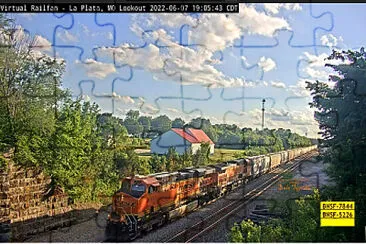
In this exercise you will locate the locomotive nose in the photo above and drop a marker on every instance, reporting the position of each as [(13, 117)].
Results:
[(124, 204)]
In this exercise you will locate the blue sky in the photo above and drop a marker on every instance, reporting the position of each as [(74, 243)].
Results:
[(222, 65)]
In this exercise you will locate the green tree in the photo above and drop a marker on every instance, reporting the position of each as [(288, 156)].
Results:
[(341, 118), (157, 164), (133, 114), (246, 231), (161, 124), (178, 123), (145, 122), (172, 158), (30, 91), (201, 157), (205, 125), (132, 124)]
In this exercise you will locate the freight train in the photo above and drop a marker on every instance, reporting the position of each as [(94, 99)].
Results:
[(146, 202)]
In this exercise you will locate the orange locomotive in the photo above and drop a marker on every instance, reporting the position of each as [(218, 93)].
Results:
[(145, 202)]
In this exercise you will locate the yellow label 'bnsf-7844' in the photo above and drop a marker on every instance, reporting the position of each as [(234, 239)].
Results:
[(145, 202)]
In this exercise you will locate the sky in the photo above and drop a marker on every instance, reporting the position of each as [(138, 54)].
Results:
[(217, 66)]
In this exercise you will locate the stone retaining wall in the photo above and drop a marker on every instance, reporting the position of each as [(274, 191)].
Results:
[(26, 206)]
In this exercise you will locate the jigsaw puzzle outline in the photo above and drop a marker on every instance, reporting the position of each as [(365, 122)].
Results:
[(182, 97)]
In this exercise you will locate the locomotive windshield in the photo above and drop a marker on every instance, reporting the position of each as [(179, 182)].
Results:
[(137, 189)]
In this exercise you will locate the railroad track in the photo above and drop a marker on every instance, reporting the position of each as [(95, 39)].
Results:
[(193, 232)]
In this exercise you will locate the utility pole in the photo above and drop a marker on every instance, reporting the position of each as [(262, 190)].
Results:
[(263, 101)]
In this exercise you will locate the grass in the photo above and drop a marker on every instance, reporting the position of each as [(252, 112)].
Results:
[(144, 156), (221, 154)]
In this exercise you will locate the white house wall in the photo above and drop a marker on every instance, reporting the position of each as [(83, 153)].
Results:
[(161, 144), (212, 148), (196, 146)]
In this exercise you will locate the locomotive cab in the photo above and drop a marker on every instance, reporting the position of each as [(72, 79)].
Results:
[(129, 204), (126, 200)]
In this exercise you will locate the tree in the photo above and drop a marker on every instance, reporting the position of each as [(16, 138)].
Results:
[(342, 120), (201, 157), (246, 231), (132, 124), (172, 158), (157, 164), (133, 127), (30, 91), (205, 125), (75, 148), (178, 123), (299, 225), (114, 134), (133, 115), (128, 163), (161, 124), (145, 122)]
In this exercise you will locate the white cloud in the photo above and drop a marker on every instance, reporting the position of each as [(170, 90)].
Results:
[(267, 64), (278, 84), (97, 69), (149, 109), (42, 43), (216, 31), (166, 19), (173, 110), (67, 36), (315, 66), (319, 74), (148, 58), (330, 40), (85, 29), (299, 89), (28, 16), (38, 45), (274, 8), (109, 36), (300, 121), (124, 99), (194, 65)]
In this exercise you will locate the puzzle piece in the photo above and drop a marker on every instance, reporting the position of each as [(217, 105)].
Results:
[(71, 33), (244, 46)]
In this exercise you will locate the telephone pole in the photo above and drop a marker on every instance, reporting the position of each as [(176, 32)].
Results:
[(263, 101)]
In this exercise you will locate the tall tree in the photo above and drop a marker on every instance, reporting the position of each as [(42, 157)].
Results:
[(145, 122), (178, 123), (205, 125), (161, 124), (132, 124), (342, 120)]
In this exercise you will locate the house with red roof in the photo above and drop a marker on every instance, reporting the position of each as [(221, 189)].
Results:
[(182, 140)]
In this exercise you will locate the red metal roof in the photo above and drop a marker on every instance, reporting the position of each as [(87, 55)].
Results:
[(193, 135)]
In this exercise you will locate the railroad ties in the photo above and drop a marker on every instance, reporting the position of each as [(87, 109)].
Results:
[(260, 214)]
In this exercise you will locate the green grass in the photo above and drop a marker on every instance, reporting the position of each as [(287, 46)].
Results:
[(144, 156), (221, 155)]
